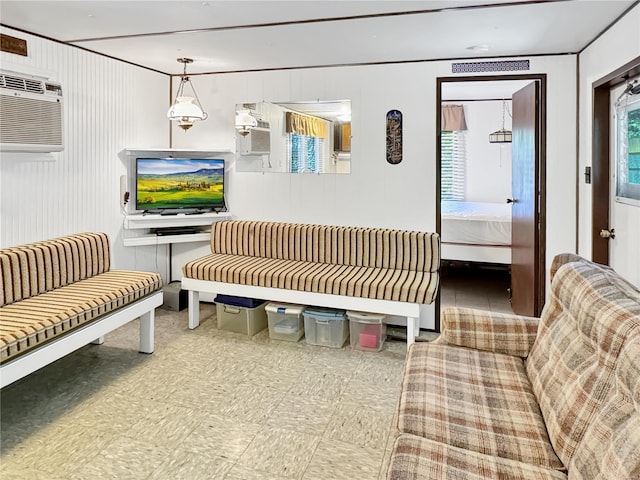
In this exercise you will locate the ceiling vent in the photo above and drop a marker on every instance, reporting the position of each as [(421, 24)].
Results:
[(31, 112), (499, 66)]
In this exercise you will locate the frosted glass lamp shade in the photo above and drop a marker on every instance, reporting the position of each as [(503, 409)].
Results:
[(245, 122)]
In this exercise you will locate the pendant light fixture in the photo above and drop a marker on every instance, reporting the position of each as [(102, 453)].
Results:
[(245, 121), (502, 135), (186, 109)]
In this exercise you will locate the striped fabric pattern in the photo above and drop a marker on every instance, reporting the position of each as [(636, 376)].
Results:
[(32, 269), (590, 315), (352, 246), (475, 400), (51, 287), (359, 262), (489, 331), (420, 458)]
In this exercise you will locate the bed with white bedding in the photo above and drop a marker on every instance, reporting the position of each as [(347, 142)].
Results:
[(476, 232)]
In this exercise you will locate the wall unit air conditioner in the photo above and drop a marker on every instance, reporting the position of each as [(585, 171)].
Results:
[(257, 141), (31, 112)]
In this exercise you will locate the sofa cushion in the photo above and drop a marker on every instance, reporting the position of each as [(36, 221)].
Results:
[(494, 332), (475, 400), (35, 268), (610, 448), (590, 314), (35, 320), (420, 458), (414, 286), (353, 246)]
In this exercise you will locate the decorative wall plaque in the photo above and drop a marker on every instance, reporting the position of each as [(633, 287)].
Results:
[(13, 45), (394, 136)]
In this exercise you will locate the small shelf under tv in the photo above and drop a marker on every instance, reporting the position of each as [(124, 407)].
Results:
[(156, 220), (150, 222)]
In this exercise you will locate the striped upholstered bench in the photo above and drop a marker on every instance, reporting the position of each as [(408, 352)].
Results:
[(59, 295), (371, 269)]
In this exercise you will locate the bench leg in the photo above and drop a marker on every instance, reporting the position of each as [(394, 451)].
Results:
[(194, 309), (413, 330), (147, 322), (98, 341)]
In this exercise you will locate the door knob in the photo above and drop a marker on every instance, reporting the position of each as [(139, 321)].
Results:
[(512, 200), (605, 233)]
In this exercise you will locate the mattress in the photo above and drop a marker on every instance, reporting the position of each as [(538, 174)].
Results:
[(474, 223)]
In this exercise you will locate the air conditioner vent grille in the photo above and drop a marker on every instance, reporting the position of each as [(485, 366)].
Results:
[(39, 121), (22, 84)]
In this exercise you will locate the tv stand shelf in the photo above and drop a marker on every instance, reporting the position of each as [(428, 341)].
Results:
[(156, 220), (140, 221)]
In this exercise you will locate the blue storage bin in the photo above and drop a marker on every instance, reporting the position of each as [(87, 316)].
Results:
[(239, 301)]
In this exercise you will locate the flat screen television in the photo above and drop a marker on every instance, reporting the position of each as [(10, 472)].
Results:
[(176, 185)]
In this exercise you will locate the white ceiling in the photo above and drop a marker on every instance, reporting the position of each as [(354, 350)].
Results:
[(246, 35)]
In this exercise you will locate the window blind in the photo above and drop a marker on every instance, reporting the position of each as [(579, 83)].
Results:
[(305, 153), (452, 165)]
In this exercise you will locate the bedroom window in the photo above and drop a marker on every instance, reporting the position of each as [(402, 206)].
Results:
[(305, 153), (452, 164)]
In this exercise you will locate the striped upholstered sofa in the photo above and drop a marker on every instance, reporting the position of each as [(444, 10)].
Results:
[(59, 295), (371, 269), (499, 396)]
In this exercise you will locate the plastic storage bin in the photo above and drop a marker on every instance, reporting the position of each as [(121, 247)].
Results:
[(285, 321), (325, 327), (240, 314), (368, 330)]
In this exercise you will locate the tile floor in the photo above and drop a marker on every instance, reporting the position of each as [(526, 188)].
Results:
[(208, 404), (473, 287)]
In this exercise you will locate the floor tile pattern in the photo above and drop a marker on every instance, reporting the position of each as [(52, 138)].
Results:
[(208, 404)]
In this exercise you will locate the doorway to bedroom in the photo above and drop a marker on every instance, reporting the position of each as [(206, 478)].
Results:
[(490, 178)]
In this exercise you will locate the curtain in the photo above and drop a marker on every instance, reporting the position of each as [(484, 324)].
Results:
[(305, 125), (453, 118)]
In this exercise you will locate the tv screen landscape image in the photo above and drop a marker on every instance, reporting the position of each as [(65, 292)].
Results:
[(179, 183)]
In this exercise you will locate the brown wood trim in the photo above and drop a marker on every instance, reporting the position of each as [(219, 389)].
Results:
[(389, 62), (18, 29), (601, 161), (322, 20), (438, 109), (600, 174), (542, 170), (542, 211), (304, 67), (631, 7)]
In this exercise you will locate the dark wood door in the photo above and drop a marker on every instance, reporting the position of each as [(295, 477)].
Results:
[(525, 216)]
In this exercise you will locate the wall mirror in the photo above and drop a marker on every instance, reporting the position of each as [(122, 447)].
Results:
[(309, 137)]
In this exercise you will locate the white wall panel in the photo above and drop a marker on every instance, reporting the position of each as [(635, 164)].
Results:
[(377, 193), (109, 106), (488, 167), (618, 46)]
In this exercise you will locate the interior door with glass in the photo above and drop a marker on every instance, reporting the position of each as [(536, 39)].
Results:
[(623, 232)]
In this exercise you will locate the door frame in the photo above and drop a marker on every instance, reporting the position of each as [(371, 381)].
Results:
[(541, 173), (601, 155)]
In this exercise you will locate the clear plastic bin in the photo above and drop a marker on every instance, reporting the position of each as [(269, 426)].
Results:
[(285, 321), (240, 319), (325, 327), (368, 330)]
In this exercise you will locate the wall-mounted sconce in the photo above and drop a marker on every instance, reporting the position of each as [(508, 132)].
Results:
[(502, 135), (245, 122), (184, 110)]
